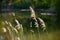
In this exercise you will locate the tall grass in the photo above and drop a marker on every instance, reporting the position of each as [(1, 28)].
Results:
[(50, 36), (22, 17)]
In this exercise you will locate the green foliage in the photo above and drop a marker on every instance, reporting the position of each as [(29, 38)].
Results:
[(57, 9), (26, 3)]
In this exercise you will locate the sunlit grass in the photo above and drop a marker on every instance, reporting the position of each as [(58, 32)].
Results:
[(49, 36), (53, 34)]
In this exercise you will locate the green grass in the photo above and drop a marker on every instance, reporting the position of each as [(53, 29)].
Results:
[(50, 36), (53, 32)]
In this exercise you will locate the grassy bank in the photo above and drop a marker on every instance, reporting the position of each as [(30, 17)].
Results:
[(23, 17)]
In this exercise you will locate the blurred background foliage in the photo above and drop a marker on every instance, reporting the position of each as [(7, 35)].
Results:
[(26, 3)]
